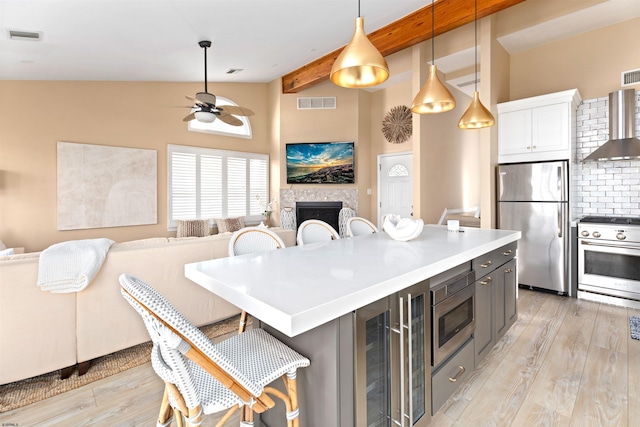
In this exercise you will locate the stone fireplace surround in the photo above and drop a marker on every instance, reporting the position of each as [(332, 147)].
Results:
[(348, 197)]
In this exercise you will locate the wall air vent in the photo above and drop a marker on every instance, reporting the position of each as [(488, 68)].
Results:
[(317, 103), (25, 35), (631, 77), (468, 83)]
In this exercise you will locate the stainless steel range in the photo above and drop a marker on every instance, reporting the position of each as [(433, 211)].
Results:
[(609, 260)]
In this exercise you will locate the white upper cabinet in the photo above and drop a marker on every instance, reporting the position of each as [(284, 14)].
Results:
[(538, 128)]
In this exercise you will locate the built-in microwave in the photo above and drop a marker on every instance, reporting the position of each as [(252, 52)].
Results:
[(452, 314)]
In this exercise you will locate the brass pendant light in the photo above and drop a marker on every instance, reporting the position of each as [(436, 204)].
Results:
[(359, 64), (476, 116), (434, 97)]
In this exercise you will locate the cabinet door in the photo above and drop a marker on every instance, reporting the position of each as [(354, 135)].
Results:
[(510, 292), (499, 315), (550, 127), (514, 132), (505, 300), (484, 318)]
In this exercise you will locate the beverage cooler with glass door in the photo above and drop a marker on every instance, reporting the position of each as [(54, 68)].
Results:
[(393, 360)]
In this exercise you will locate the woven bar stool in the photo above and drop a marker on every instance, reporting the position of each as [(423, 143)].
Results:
[(358, 226), (250, 240), (315, 230), (204, 378)]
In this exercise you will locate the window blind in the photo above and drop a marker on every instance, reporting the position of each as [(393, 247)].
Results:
[(205, 183)]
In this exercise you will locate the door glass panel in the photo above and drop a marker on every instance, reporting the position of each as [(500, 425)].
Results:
[(612, 265), (378, 369), (418, 357)]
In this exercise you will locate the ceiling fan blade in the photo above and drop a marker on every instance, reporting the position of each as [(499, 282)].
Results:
[(206, 97), (236, 110), (192, 99), (229, 119), (189, 117)]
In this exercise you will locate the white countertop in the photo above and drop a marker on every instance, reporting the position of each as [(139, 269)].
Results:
[(299, 288)]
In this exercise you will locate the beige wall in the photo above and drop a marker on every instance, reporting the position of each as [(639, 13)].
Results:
[(591, 62), (349, 121), (34, 116), (446, 159)]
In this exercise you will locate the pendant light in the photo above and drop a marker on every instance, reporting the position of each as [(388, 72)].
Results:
[(359, 64), (476, 116), (434, 97)]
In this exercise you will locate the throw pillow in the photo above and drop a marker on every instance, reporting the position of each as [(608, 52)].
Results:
[(6, 252), (2, 245), (192, 227), (226, 225)]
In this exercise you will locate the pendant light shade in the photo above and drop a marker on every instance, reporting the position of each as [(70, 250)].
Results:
[(359, 64), (434, 97), (476, 116)]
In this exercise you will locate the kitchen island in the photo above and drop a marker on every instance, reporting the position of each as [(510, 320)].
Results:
[(310, 297)]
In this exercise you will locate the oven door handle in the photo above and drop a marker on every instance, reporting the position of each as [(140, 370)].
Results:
[(608, 245)]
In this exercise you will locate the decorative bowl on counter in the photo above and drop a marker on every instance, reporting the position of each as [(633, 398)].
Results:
[(402, 229)]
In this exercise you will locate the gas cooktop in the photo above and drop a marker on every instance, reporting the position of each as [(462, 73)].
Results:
[(615, 220)]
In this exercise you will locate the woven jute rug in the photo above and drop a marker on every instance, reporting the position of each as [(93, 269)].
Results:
[(25, 392)]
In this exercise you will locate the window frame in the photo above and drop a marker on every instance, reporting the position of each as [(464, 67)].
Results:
[(253, 199)]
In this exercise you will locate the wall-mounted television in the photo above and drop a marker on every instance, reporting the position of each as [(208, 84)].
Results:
[(320, 163)]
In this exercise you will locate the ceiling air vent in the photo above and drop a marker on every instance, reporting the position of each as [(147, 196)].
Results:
[(317, 103), (631, 77)]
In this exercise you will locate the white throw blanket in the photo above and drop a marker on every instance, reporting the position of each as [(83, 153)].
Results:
[(70, 266)]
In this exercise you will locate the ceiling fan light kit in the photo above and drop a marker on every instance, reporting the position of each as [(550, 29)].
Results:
[(434, 97), (360, 64), (477, 116), (204, 116), (205, 109)]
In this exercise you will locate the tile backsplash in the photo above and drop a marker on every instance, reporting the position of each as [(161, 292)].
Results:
[(602, 187)]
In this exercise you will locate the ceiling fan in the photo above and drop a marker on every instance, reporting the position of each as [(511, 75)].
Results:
[(205, 108)]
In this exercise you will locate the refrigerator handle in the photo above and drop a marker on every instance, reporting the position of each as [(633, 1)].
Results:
[(560, 221), (562, 184)]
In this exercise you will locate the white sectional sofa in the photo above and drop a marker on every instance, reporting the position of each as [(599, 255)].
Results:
[(41, 332)]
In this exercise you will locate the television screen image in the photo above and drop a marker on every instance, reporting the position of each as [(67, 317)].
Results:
[(320, 163)]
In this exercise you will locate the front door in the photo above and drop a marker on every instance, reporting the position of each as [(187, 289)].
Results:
[(395, 177)]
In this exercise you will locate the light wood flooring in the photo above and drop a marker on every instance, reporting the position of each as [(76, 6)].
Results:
[(565, 362)]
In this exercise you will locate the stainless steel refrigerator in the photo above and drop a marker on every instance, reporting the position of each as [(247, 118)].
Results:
[(534, 198)]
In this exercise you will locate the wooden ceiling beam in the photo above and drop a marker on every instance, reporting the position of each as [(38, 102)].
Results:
[(401, 34)]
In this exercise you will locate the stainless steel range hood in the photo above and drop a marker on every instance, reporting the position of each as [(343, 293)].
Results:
[(622, 143)]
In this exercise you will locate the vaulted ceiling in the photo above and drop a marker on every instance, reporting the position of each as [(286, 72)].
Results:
[(157, 40)]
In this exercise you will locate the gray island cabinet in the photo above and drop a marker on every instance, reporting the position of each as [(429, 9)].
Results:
[(496, 301), (360, 309)]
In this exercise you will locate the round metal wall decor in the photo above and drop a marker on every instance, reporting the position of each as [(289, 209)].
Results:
[(396, 125)]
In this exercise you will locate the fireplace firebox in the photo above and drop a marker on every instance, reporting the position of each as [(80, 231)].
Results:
[(324, 211)]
